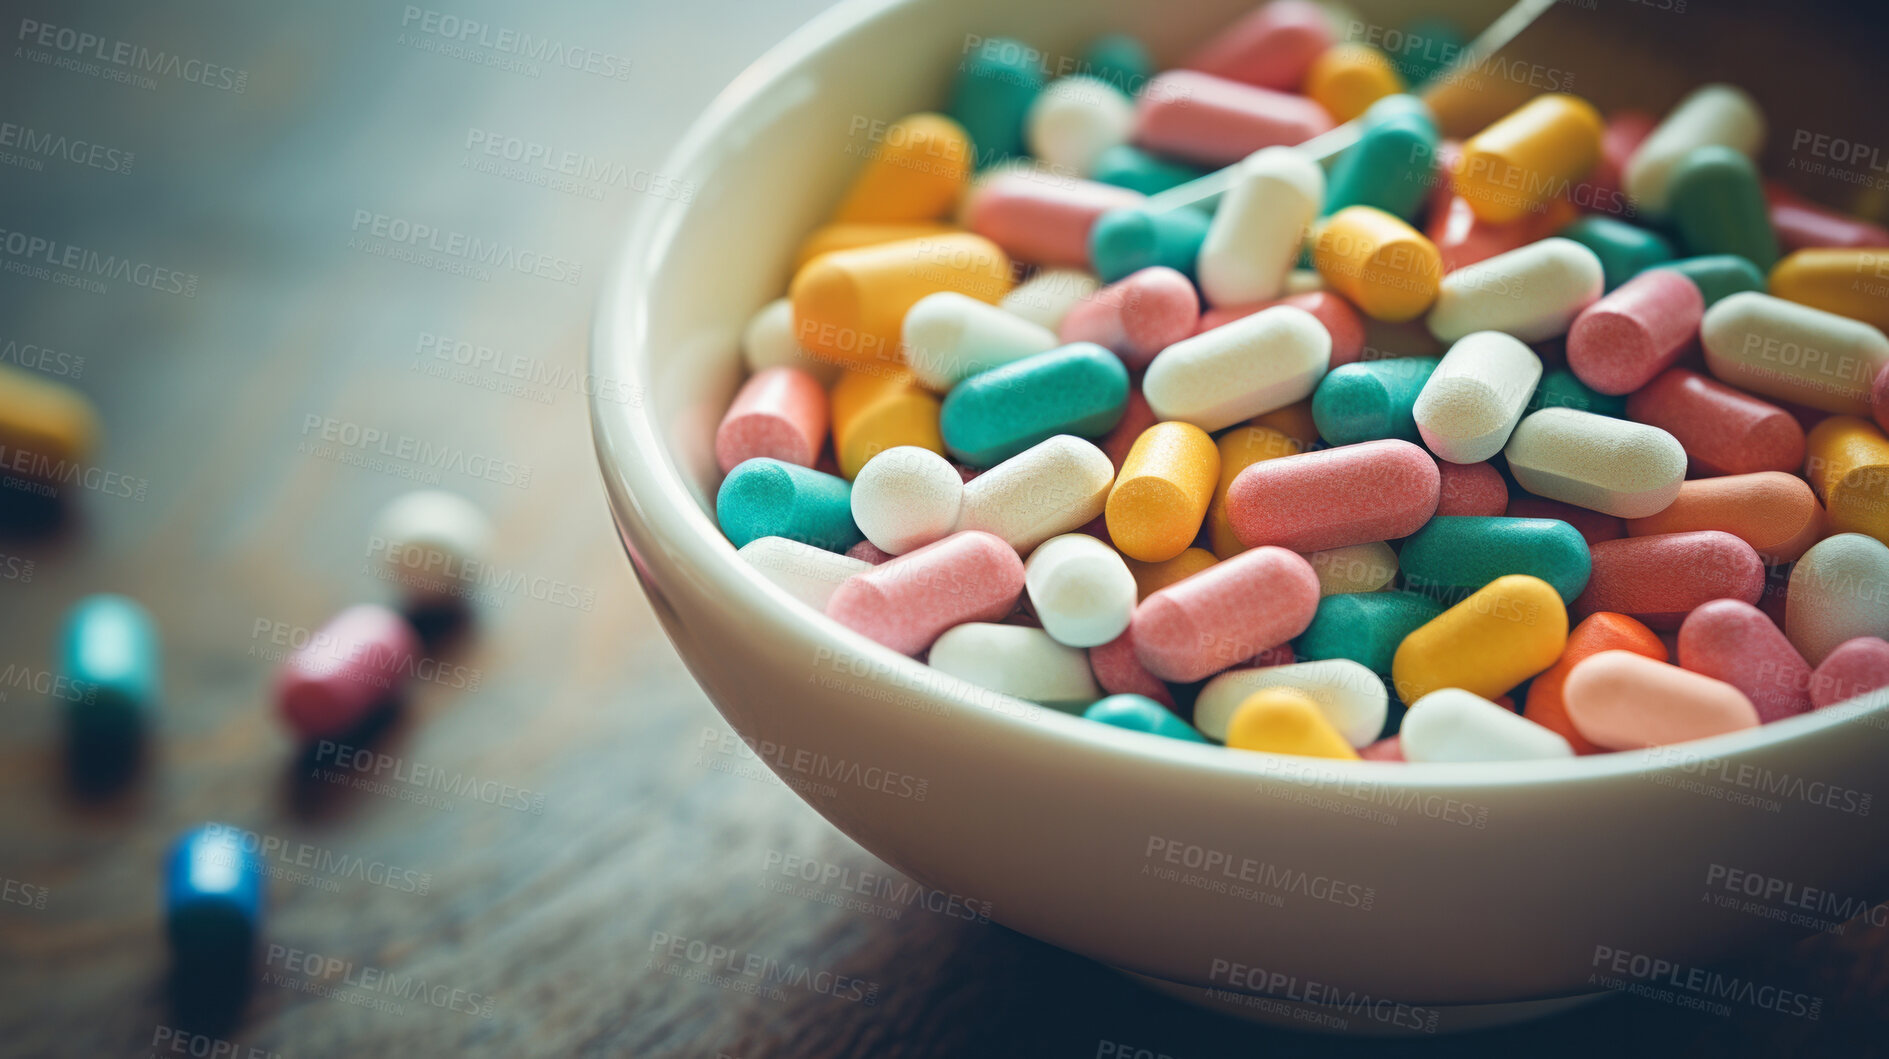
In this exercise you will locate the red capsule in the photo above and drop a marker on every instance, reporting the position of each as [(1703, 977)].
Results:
[(1660, 579), (1472, 489), (1119, 672), (1724, 431)]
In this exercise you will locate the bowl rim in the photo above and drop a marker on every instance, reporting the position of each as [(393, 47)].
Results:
[(644, 487)]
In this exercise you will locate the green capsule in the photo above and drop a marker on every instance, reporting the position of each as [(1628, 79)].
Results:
[(1719, 275), (995, 87), (1138, 713), (1125, 241), (1130, 167), (765, 497), (1392, 166), (1624, 250), (1365, 627), (110, 668), (1120, 60), (1718, 206), (1371, 400), (1080, 389), (1454, 555), (1560, 389)]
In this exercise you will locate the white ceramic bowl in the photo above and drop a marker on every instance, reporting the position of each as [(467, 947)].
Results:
[(1439, 886)]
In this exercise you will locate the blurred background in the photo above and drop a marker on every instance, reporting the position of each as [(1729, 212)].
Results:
[(555, 803)]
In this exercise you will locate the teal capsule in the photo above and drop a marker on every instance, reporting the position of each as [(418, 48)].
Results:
[(111, 665), (1120, 60), (765, 497), (1365, 627), (1371, 400), (1719, 275), (1624, 250), (1718, 206), (1392, 166), (1138, 713), (996, 85), (1125, 241), (1560, 389), (1426, 46), (1078, 389), (1130, 167), (1454, 555)]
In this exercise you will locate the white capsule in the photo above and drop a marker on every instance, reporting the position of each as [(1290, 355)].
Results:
[(1782, 349), (1353, 568), (1839, 591), (1712, 114), (1350, 696), (1259, 228), (906, 497), (1080, 589), (1052, 487), (768, 342), (1614, 466), (1454, 725), (1474, 398), (950, 336), (1017, 660), (807, 573), (1533, 292), (431, 542), (1240, 369), (1045, 298), (1074, 120)]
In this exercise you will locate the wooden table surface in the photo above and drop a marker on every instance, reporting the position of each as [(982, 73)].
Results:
[(547, 806)]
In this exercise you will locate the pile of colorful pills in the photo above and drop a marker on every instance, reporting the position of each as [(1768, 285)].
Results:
[(1561, 439)]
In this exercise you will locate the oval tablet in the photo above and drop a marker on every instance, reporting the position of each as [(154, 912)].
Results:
[(1121, 673), (1717, 206), (1076, 389), (1212, 121), (949, 337), (768, 498), (779, 413), (1532, 293), (432, 543), (1039, 217), (357, 661), (1610, 465), (1055, 487), (1384, 266), (905, 498), (1773, 512), (1074, 120), (1197, 627), (1080, 590), (1471, 489), (1260, 226), (1547, 701), (1240, 448), (1509, 630), (1839, 591), (1723, 430), (876, 410), (1735, 642), (1620, 342), (1624, 701), (1016, 660), (1453, 556), (214, 886), (110, 658), (768, 342), (1285, 721), (1272, 47), (1046, 297), (1365, 627), (1353, 494), (1351, 697), (1239, 370), (1371, 400), (1474, 398), (1123, 242), (1848, 282), (1454, 725), (1161, 495), (914, 172), (907, 602), (1511, 168), (1659, 580), (1793, 352), (807, 573), (849, 304)]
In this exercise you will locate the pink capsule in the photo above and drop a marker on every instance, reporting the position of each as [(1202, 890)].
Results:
[(1619, 700), (1471, 489), (1660, 579), (1274, 47), (1618, 344), (908, 601), (1723, 430), (1136, 417), (1120, 672), (1202, 624), (1212, 121), (1043, 220), (1854, 667), (1137, 316), (354, 663), (1390, 748), (868, 552), (1801, 224), (1733, 641), (1352, 494), (1594, 526), (779, 413), (1341, 320)]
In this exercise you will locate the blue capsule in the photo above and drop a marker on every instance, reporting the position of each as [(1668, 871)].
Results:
[(1138, 713), (1080, 389), (213, 896)]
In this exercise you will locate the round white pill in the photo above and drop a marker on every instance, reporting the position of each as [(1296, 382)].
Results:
[(1080, 589), (1074, 120), (1350, 696), (1259, 228), (1533, 293), (1241, 369), (950, 336), (1454, 725), (1052, 487), (1614, 466), (431, 542), (1017, 660), (807, 573), (1474, 398), (906, 497)]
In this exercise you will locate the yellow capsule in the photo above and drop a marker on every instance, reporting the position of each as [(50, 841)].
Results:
[(829, 238), (881, 409), (1294, 421), (1386, 267), (917, 168), (1153, 577), (1348, 78), (1160, 496), (1284, 721), (1509, 630), (1240, 448), (850, 304), (46, 427), (1510, 169), (1852, 283), (1847, 463)]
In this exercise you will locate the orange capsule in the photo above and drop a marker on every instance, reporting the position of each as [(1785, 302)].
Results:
[(1382, 265), (1774, 512), (850, 305), (1510, 169)]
